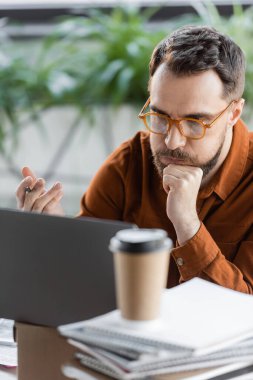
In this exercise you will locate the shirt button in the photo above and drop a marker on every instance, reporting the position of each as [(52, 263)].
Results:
[(180, 261)]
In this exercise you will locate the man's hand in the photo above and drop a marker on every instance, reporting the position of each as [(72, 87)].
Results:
[(182, 184), (38, 199)]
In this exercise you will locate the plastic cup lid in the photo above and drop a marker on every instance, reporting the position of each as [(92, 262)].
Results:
[(140, 240)]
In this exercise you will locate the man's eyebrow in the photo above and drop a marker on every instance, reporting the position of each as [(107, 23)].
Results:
[(155, 109), (192, 115)]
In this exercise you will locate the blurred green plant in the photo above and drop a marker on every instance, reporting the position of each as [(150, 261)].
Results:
[(102, 59), (239, 26), (99, 60)]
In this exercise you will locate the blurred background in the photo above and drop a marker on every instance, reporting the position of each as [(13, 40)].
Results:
[(73, 77)]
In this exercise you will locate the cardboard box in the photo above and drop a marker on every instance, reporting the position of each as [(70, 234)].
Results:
[(42, 352)]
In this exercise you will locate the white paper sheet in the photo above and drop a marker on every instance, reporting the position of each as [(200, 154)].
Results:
[(198, 315)]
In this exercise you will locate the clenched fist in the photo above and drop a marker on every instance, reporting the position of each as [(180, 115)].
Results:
[(182, 184)]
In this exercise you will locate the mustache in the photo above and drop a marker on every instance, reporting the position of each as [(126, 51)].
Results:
[(176, 153)]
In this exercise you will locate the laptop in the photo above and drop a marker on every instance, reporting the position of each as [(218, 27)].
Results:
[(55, 270)]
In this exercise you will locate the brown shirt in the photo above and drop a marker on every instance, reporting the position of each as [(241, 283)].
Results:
[(127, 187)]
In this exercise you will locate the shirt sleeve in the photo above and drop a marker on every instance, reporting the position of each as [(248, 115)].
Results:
[(201, 257), (105, 196)]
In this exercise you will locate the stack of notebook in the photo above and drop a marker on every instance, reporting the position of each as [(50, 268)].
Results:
[(204, 331)]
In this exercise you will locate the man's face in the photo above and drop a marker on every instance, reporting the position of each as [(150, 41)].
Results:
[(197, 96)]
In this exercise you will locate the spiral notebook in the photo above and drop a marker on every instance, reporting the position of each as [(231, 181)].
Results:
[(197, 316), (227, 372), (201, 325), (119, 368)]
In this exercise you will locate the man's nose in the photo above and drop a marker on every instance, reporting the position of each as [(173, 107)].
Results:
[(174, 139)]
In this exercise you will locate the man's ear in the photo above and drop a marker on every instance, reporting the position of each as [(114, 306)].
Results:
[(235, 112)]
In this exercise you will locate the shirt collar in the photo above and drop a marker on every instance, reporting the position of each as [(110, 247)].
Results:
[(233, 167)]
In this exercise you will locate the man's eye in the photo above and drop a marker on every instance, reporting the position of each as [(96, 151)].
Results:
[(196, 118)]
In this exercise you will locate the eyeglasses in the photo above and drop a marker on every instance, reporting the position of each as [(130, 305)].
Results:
[(190, 128)]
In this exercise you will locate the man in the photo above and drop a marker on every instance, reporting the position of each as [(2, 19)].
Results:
[(192, 172)]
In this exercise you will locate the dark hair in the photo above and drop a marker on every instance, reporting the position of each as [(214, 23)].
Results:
[(192, 49)]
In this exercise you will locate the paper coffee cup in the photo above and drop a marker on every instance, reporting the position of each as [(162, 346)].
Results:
[(141, 263)]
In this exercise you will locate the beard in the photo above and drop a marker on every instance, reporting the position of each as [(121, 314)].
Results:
[(186, 160)]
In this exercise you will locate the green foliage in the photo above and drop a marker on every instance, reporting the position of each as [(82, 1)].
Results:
[(239, 26), (105, 57), (102, 59)]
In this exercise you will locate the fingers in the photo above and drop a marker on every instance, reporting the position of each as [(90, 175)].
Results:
[(172, 168), (170, 182), (31, 197), (54, 204), (28, 181), (174, 177), (40, 200), (179, 176), (20, 192), (26, 172)]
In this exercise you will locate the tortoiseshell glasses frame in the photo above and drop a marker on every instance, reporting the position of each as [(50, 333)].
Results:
[(190, 128)]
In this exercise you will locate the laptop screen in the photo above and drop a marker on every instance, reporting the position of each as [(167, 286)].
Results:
[(55, 270)]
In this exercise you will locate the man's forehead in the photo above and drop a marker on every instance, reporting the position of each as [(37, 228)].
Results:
[(205, 77), (198, 93)]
